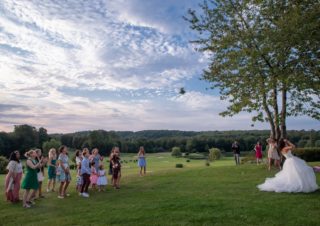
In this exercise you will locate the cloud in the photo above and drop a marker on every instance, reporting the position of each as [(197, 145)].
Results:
[(75, 65), (8, 107)]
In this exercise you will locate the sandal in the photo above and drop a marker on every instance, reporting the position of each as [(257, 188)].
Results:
[(26, 206)]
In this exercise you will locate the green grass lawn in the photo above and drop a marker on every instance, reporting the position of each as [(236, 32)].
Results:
[(221, 194)]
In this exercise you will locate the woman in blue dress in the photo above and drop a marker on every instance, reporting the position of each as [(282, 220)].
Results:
[(142, 160)]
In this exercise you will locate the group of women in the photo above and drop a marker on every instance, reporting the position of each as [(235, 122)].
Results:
[(59, 170)]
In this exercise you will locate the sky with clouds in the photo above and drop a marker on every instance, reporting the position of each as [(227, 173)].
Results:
[(107, 64)]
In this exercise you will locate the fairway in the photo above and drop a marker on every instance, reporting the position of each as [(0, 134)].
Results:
[(219, 194)]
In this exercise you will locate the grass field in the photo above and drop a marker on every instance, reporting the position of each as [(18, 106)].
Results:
[(219, 194)]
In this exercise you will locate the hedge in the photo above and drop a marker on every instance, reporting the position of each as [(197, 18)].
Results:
[(307, 154)]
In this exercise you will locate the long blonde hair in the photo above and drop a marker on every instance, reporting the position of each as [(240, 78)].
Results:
[(52, 153), (29, 153)]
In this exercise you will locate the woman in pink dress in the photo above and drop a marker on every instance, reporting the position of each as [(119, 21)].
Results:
[(258, 150), (13, 178)]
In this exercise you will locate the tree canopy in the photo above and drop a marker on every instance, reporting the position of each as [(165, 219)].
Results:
[(264, 56)]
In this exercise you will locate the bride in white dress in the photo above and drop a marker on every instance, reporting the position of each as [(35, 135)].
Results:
[(295, 176)]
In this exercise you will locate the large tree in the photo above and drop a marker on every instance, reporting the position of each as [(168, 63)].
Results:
[(264, 56)]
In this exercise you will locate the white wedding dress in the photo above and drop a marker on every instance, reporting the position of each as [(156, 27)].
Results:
[(295, 176)]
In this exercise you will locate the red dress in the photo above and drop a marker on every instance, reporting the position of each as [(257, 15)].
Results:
[(258, 149)]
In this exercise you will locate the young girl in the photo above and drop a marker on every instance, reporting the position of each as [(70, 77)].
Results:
[(40, 172), (30, 181), (63, 172), (102, 179), (142, 160), (85, 172), (52, 170), (116, 168), (78, 158), (94, 175), (79, 181)]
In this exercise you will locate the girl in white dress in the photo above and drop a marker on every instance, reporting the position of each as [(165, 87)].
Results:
[(295, 176), (102, 178)]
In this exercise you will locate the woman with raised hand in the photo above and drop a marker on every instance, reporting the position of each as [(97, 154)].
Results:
[(273, 153), (142, 160), (63, 172), (30, 180), (295, 176), (13, 178), (40, 172)]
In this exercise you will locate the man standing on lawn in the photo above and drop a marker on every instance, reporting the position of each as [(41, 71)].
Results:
[(236, 152)]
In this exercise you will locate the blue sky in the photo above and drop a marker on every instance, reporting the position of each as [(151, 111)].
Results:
[(113, 64)]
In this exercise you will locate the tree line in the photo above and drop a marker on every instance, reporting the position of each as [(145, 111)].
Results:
[(25, 137)]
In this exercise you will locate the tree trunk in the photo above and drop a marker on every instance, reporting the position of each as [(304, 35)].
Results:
[(276, 113), (269, 115), (284, 112)]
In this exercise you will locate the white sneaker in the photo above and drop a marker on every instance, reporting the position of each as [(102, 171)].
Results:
[(86, 195), (48, 190)]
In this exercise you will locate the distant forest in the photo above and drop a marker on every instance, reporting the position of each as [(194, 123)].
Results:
[(25, 137)]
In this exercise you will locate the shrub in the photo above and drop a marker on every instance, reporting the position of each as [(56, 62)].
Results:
[(207, 163), (196, 156), (179, 165), (214, 154), (176, 152), (188, 160), (3, 164), (72, 167), (46, 146), (308, 154)]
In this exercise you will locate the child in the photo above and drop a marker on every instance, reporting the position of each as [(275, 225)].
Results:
[(52, 170), (102, 179), (116, 168), (79, 181), (94, 175)]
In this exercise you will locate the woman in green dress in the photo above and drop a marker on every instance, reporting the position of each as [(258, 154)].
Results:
[(30, 181)]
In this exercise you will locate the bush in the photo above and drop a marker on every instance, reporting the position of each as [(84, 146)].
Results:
[(196, 156), (46, 146), (179, 165), (214, 154), (207, 163), (188, 160), (3, 164), (72, 167), (308, 154), (176, 152)]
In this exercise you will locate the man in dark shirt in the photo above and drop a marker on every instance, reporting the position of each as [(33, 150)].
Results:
[(236, 152)]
